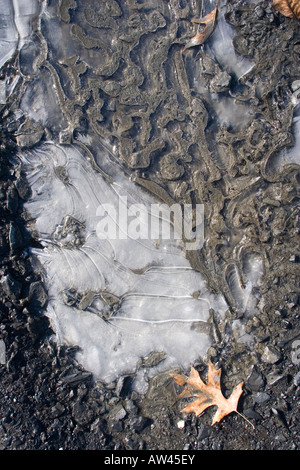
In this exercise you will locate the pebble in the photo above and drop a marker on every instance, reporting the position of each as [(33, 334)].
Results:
[(15, 238), (118, 413), (221, 82), (274, 377), (255, 380), (251, 414), (11, 286), (12, 200), (82, 413), (57, 410), (261, 397), (259, 11), (296, 379), (23, 188), (37, 295), (270, 355), (180, 424), (138, 423), (154, 358), (204, 431)]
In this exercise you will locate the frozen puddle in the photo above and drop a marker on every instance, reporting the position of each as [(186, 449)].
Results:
[(118, 300), (119, 288)]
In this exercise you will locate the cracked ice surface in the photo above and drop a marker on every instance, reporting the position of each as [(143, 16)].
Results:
[(155, 287), (16, 18), (104, 88)]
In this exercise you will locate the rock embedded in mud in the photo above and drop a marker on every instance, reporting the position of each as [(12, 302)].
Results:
[(220, 82), (12, 199), (271, 355), (170, 169), (16, 240), (255, 380), (37, 295), (11, 286), (82, 413), (138, 423), (154, 358), (118, 413), (29, 134)]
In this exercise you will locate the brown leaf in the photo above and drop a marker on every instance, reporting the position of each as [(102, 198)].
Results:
[(209, 21), (289, 8), (209, 394)]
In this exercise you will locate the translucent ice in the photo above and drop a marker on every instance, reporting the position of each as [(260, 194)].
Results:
[(118, 300), (221, 45), (16, 17)]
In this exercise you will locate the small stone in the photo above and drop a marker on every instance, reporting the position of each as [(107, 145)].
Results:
[(138, 423), (2, 352), (273, 378), (296, 379), (259, 11), (251, 414), (82, 413), (86, 300), (220, 82), (76, 378), (117, 413), (29, 134), (130, 406), (37, 295), (262, 397), (295, 85), (154, 358), (12, 200), (23, 188), (204, 431), (180, 424), (15, 238), (11, 287), (57, 410), (255, 380), (117, 426), (270, 355)]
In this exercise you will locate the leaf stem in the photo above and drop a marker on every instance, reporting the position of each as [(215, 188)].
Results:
[(245, 418)]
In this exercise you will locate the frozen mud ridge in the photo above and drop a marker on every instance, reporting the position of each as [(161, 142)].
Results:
[(115, 119)]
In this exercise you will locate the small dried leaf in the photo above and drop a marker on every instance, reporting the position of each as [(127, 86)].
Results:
[(209, 21), (209, 394), (289, 8)]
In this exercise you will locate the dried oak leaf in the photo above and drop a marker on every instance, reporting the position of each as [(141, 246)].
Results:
[(289, 8), (200, 38), (209, 394)]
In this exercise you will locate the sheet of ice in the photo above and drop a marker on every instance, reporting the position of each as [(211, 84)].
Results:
[(161, 303), (16, 17), (220, 45), (8, 31), (40, 102), (230, 112)]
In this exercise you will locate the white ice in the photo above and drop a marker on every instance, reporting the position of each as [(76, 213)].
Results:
[(16, 18), (158, 310)]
